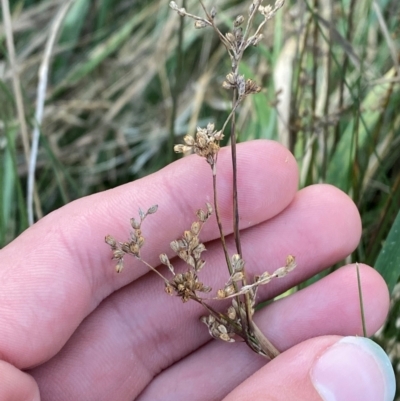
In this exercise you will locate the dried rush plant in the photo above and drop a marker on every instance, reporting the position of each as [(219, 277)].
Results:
[(237, 321)]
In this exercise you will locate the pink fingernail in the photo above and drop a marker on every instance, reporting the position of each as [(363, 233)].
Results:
[(354, 369)]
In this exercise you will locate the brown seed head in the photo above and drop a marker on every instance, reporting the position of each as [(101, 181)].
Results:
[(153, 209), (238, 21), (195, 228), (231, 39), (140, 241), (251, 87), (111, 241), (164, 259), (169, 289), (199, 24), (182, 148), (189, 140), (175, 246), (188, 236), (290, 262), (232, 313), (119, 266), (201, 215), (135, 224), (118, 254), (134, 249)]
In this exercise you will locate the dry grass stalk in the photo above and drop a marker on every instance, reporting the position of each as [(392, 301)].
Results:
[(237, 320), (15, 70), (41, 97)]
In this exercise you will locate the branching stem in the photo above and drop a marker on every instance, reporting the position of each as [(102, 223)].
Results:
[(239, 318), (153, 269)]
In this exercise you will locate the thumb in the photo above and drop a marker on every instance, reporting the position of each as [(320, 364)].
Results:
[(326, 368), (16, 385)]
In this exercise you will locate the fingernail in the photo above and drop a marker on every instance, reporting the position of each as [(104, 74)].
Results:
[(354, 368)]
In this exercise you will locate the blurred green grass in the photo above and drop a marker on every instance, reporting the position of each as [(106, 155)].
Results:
[(330, 72)]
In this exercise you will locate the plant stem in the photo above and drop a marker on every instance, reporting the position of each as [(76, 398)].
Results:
[(217, 215), (214, 174), (245, 320), (266, 346), (250, 331), (255, 338), (236, 232)]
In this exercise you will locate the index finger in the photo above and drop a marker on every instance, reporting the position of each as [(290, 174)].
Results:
[(59, 270)]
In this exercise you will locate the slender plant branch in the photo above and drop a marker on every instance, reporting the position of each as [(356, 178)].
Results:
[(153, 269), (249, 23), (210, 21)]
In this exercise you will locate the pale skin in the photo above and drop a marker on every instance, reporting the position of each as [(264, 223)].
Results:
[(73, 327)]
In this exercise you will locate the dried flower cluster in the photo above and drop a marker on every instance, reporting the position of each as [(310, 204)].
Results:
[(224, 326), (189, 249), (237, 320), (205, 144), (244, 87), (135, 242), (219, 330), (237, 41)]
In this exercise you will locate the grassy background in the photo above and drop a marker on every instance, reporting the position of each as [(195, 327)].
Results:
[(122, 71)]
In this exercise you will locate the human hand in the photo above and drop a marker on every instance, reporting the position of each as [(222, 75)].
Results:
[(84, 332)]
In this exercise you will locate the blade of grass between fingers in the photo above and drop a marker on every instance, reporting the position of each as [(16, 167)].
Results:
[(361, 301)]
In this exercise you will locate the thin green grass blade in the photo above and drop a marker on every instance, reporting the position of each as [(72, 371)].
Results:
[(13, 218), (361, 301), (20, 206), (388, 261), (74, 22), (7, 177), (105, 9)]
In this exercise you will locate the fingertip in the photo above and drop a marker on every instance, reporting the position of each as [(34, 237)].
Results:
[(354, 368), (342, 206), (342, 221)]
